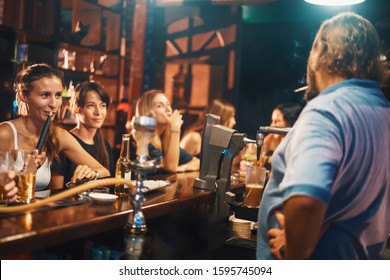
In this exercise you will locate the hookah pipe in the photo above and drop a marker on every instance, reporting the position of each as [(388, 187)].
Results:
[(44, 132), (68, 193)]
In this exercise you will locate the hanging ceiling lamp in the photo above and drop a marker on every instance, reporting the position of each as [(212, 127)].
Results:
[(334, 2)]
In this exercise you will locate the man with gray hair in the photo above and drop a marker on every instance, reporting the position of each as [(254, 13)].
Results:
[(328, 196)]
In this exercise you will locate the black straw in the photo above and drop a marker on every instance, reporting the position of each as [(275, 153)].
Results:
[(44, 132)]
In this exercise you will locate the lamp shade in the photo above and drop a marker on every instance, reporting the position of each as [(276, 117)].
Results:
[(334, 2)]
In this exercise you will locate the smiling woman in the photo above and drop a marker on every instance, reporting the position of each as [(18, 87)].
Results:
[(89, 103), (38, 89), (168, 127)]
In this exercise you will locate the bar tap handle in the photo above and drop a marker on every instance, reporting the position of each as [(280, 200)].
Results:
[(275, 130), (249, 141), (259, 142)]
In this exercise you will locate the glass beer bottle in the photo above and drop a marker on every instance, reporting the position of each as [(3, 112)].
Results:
[(122, 171)]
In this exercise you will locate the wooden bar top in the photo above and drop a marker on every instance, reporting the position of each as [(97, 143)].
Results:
[(38, 229)]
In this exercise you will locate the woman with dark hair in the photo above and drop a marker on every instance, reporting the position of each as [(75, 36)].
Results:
[(284, 115), (38, 90), (192, 139), (89, 103)]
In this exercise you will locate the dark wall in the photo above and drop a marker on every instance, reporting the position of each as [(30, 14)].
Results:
[(275, 42), (8, 69), (273, 64)]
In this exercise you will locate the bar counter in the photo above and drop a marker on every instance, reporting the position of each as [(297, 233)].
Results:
[(40, 228)]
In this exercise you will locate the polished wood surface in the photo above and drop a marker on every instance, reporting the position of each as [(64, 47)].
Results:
[(26, 232)]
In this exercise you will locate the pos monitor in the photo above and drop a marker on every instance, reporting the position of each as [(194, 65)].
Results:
[(219, 145)]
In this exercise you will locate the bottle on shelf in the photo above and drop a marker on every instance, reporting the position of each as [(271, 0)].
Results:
[(122, 171), (179, 87)]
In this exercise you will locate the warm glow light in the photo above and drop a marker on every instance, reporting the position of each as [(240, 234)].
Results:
[(334, 2)]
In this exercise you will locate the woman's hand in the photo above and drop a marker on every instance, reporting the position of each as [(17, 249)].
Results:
[(176, 120), (7, 179), (41, 158), (83, 172)]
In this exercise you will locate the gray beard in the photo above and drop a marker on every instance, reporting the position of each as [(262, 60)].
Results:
[(312, 90)]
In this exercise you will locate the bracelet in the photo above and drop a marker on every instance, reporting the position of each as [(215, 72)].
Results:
[(96, 175), (175, 131)]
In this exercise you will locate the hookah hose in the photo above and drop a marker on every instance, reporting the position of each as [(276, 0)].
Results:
[(68, 193)]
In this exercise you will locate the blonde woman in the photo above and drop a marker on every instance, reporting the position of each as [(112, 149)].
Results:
[(167, 138)]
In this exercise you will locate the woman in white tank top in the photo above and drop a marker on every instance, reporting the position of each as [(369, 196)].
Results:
[(39, 94), (43, 174)]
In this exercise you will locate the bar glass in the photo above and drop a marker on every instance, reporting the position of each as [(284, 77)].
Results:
[(24, 163), (254, 185)]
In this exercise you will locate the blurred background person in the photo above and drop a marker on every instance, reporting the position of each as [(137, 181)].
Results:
[(89, 104), (284, 115), (166, 141), (192, 138), (38, 89)]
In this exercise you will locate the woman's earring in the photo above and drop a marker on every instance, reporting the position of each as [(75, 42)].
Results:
[(23, 108)]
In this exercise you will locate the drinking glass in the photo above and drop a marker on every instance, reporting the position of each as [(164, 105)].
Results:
[(25, 173), (254, 185), (250, 154)]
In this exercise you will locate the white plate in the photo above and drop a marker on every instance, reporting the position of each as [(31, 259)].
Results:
[(103, 197)]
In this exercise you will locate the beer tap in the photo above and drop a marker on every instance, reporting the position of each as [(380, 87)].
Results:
[(263, 130), (259, 143), (275, 130)]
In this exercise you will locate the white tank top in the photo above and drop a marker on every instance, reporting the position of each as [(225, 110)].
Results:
[(43, 175)]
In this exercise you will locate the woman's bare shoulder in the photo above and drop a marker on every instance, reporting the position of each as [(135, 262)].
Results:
[(6, 135), (191, 138), (63, 136), (6, 130), (61, 131), (193, 135)]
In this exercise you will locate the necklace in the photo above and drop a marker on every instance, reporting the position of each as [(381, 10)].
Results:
[(33, 139)]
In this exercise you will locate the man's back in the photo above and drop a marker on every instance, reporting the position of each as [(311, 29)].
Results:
[(339, 153)]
